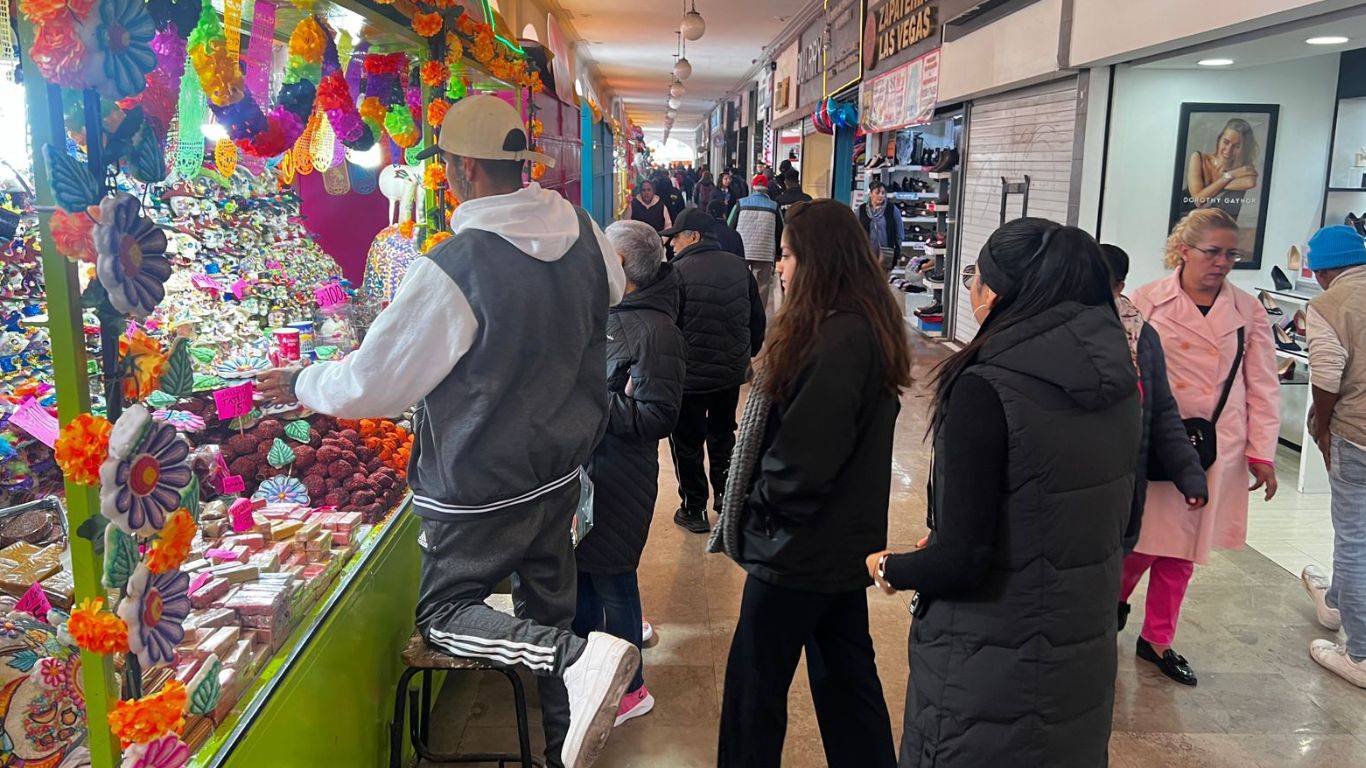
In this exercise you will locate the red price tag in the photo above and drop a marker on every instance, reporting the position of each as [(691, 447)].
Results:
[(234, 401), (329, 295), (233, 484), (34, 419), (34, 602), (198, 582)]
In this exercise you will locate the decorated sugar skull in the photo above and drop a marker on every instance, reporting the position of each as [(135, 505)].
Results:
[(42, 707)]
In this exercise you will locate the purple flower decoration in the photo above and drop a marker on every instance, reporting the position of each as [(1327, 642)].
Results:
[(154, 607), (282, 489), (130, 256), (183, 421), (141, 480)]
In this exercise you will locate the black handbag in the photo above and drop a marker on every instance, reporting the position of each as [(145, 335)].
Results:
[(1202, 432)]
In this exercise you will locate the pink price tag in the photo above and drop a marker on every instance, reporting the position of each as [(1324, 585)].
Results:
[(234, 401), (240, 514), (233, 484), (221, 554), (34, 602), (206, 283), (34, 419), (240, 289), (198, 582), (329, 295)]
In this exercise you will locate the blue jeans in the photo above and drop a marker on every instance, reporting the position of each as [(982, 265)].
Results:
[(610, 603), (1347, 478)]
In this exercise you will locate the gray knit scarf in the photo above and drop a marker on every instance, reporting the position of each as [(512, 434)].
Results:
[(744, 460)]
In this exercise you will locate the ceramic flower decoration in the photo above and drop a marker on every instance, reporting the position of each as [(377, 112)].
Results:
[(154, 607), (131, 261), (122, 42), (183, 421), (165, 752), (141, 481), (282, 489), (144, 363), (71, 233)]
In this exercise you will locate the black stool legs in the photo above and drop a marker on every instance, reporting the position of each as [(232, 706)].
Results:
[(419, 727)]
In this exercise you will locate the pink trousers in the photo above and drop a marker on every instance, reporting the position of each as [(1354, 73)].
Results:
[(1166, 589)]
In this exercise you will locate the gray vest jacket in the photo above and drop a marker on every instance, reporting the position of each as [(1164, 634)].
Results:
[(523, 408)]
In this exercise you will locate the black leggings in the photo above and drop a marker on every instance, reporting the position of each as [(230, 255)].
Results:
[(776, 624)]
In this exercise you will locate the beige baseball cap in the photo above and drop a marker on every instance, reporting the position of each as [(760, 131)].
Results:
[(486, 128)]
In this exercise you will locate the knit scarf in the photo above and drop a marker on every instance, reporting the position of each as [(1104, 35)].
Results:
[(744, 460)]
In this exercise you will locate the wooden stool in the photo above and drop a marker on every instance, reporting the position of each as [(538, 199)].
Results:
[(419, 656)]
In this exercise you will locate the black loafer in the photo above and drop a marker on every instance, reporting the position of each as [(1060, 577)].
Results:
[(694, 522), (1172, 664), (1124, 609)]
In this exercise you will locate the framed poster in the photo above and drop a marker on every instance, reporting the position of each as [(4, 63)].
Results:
[(1224, 156)]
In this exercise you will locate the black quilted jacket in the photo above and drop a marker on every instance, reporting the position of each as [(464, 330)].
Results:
[(645, 347), (721, 315)]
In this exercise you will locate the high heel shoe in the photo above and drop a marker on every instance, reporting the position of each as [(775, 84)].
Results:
[(1279, 280), (1283, 340), (1271, 307), (1356, 222), (1301, 325), (1294, 260)]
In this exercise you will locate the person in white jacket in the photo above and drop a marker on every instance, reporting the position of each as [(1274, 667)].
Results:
[(499, 333)]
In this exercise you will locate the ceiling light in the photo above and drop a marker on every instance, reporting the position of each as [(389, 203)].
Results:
[(1214, 62), (693, 27), (674, 102), (213, 131), (683, 68), (677, 90), (1327, 40)]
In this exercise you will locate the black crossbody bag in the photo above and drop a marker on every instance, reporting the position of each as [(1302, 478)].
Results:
[(1202, 432)]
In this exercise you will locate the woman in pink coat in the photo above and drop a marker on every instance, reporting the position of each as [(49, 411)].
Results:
[(1198, 314)]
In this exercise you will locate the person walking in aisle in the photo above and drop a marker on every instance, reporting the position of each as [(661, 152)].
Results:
[(646, 359), (1036, 430), (1337, 420), (881, 219), (689, 184), (833, 371), (792, 191), (499, 333), (723, 323), (1221, 364), (1164, 437), (703, 190), (728, 238), (757, 220), (666, 191), (724, 193), (646, 206)]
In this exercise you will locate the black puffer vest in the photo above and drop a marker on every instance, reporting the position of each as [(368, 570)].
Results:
[(1020, 671), (715, 316)]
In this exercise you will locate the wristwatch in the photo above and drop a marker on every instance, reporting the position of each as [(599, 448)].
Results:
[(882, 569), (1226, 176)]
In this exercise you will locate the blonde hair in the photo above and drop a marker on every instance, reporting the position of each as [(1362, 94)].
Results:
[(1191, 228)]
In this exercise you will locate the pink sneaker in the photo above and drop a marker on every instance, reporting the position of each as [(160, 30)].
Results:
[(634, 704)]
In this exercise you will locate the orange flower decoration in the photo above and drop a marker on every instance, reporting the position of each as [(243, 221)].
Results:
[(95, 630), (145, 362), (434, 176), (451, 199), (406, 229), (427, 24), (372, 109), (307, 41), (42, 11), (435, 74), (436, 112), (455, 50), (169, 551), (536, 127), (538, 171), (82, 448), (58, 52), (71, 233), (435, 240), (138, 721)]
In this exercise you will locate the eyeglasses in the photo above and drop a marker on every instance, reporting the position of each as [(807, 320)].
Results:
[(969, 274), (1214, 254)]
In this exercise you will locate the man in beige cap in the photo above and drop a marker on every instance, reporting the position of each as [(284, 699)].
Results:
[(499, 334)]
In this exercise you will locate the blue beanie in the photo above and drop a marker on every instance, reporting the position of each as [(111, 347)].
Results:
[(1336, 247)]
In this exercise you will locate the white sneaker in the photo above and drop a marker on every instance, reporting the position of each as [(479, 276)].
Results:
[(1334, 658), (596, 684), (1316, 583), (647, 632)]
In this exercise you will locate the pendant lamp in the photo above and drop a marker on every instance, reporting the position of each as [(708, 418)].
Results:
[(683, 68), (693, 27), (677, 90), (674, 102)]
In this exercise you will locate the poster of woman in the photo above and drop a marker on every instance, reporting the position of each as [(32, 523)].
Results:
[(1223, 160)]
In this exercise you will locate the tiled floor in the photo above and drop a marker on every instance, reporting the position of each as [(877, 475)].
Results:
[(1261, 702), (1294, 529)]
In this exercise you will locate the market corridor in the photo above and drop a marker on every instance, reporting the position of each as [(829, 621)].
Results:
[(1261, 702)]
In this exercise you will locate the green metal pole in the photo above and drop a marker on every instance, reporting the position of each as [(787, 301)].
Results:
[(67, 334)]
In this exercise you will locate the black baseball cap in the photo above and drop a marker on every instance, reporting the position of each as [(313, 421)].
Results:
[(692, 219)]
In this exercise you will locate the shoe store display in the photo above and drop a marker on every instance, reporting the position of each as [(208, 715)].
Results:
[(1285, 368), (1300, 323), (1269, 304), (1283, 340), (1294, 260), (1170, 663), (1279, 280), (1333, 657), (948, 159), (695, 522), (1316, 584), (934, 310)]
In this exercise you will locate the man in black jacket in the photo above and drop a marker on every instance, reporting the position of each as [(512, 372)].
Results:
[(722, 318), (729, 240)]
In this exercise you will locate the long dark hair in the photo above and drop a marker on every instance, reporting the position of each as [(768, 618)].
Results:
[(1044, 264), (835, 270)]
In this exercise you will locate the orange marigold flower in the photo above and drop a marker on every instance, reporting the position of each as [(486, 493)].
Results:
[(95, 630), (138, 721), (82, 448), (434, 176), (145, 364), (406, 229), (171, 549), (59, 53), (71, 233), (427, 24), (451, 199), (42, 11), (455, 50), (372, 109), (435, 240), (435, 74), (537, 171), (436, 112)]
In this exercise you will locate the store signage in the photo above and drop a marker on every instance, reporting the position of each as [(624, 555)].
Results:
[(845, 36), (811, 65), (895, 26), (904, 96), (785, 83)]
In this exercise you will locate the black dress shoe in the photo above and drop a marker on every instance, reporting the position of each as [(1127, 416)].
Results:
[(1124, 609), (1283, 340), (1172, 665), (1271, 307), (1279, 279), (694, 522)]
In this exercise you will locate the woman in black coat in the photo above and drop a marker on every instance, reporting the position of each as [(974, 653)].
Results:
[(835, 362), (646, 358), (1036, 430)]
